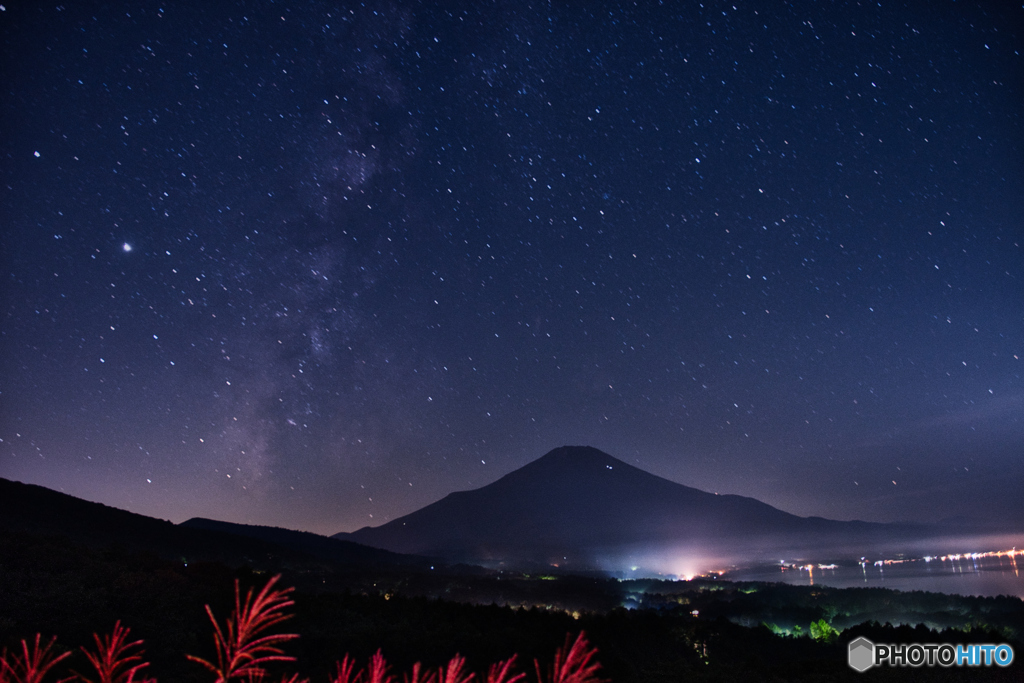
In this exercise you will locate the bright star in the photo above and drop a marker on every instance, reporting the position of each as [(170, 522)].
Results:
[(126, 246)]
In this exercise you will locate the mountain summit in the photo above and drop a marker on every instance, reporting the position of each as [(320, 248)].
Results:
[(580, 506)]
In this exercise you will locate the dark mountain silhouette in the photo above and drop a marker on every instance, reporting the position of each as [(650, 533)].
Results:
[(314, 545), (580, 506), (31, 509)]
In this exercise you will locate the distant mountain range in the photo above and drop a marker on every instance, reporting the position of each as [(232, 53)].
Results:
[(579, 507), (575, 508)]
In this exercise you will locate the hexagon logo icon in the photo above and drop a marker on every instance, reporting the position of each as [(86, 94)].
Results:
[(861, 654)]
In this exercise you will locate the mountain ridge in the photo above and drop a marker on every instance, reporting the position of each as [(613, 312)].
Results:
[(37, 510), (577, 501)]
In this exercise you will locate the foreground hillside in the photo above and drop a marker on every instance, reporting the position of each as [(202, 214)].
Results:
[(54, 587), (51, 582)]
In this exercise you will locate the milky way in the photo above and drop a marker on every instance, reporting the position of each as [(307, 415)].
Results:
[(317, 265)]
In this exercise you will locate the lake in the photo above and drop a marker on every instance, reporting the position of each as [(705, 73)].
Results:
[(985, 574)]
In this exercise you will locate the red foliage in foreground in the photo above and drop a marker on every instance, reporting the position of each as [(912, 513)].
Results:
[(29, 666), (241, 651), (244, 647), (114, 660), (575, 664)]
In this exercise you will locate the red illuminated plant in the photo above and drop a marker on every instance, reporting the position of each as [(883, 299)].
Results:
[(114, 659), (32, 664), (377, 671), (346, 667), (502, 672), (454, 672), (418, 675), (242, 651), (260, 676), (574, 664)]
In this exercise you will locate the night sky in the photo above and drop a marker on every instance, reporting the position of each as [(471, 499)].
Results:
[(316, 265)]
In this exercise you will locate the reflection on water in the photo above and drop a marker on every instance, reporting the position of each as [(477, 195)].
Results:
[(985, 573)]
